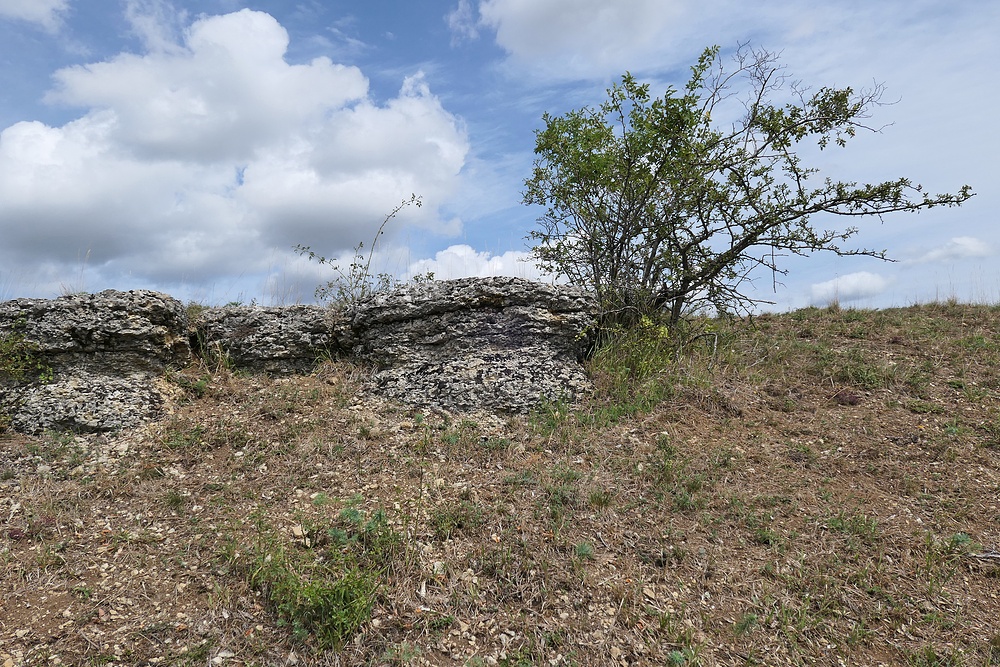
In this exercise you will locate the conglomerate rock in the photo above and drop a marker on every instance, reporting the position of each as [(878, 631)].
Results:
[(477, 343), (98, 359), (88, 402), (112, 332), (490, 344), (280, 339)]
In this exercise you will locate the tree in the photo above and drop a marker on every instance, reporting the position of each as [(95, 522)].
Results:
[(658, 209)]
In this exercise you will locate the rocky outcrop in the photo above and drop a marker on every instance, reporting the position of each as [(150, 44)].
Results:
[(494, 343), (271, 340), (96, 359)]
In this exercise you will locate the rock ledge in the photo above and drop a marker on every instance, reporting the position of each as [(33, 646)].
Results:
[(491, 344)]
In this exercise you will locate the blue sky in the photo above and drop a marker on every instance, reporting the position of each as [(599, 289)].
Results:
[(188, 147)]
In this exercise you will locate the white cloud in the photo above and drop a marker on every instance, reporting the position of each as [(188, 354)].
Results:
[(461, 261), (462, 22), (46, 13), (850, 287), (579, 37), (203, 159), (225, 95), (959, 247), (156, 22)]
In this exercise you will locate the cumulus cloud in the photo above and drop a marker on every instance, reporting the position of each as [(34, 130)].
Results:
[(46, 13), (958, 248), (586, 39), (596, 39), (461, 261), (199, 160), (850, 287)]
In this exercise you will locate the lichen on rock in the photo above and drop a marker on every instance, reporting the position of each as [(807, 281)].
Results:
[(103, 353), (500, 343), (279, 339), (474, 344)]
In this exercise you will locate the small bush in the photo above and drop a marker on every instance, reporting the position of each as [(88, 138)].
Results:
[(321, 603)]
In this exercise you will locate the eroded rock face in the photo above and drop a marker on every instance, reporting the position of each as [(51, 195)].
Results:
[(501, 343), (285, 339), (493, 344), (86, 402), (103, 357)]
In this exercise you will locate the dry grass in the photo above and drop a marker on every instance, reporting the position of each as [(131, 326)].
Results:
[(824, 489)]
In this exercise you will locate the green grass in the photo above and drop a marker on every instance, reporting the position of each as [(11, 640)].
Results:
[(454, 518), (323, 593)]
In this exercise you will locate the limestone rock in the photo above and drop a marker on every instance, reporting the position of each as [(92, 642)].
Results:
[(111, 332), (287, 339), (103, 356), (493, 344), (87, 402), (499, 343)]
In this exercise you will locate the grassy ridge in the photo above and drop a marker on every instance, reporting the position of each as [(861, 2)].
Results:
[(823, 487)]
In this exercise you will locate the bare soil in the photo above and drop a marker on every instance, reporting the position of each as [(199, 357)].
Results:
[(822, 488)]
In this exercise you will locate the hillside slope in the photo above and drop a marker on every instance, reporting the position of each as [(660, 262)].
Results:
[(822, 488)]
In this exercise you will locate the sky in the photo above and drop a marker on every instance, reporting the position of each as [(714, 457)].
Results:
[(189, 147)]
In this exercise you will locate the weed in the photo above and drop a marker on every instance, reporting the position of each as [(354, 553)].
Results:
[(993, 650), (496, 444), (20, 360), (664, 465), (929, 656), (324, 601), (178, 436), (523, 478), (941, 560), (455, 518), (403, 653), (352, 515), (924, 408), (684, 501), (560, 498), (802, 452), (83, 592), (197, 388), (356, 282), (745, 625), (175, 500), (859, 525), (630, 367), (992, 431), (550, 416), (600, 499)]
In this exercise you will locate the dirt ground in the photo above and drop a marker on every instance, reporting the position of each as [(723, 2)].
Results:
[(822, 488)]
